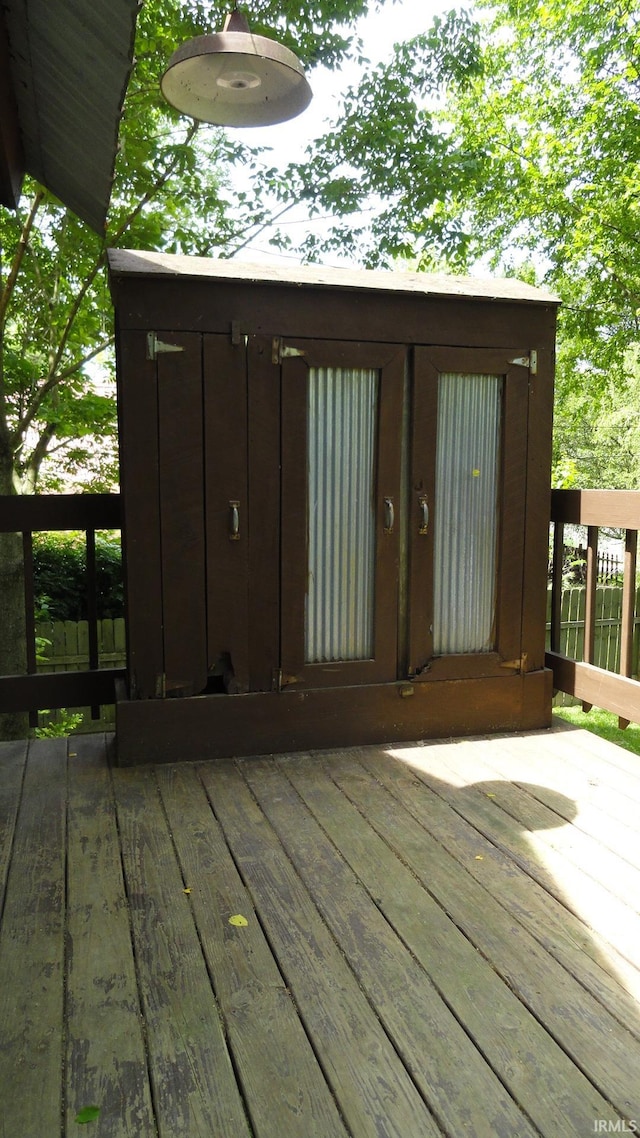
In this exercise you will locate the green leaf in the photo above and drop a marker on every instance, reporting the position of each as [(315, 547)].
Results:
[(87, 1114)]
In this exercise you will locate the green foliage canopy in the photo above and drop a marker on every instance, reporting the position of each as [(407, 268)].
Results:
[(60, 576), (172, 192), (508, 140)]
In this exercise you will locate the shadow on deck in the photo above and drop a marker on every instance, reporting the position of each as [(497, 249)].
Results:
[(384, 942)]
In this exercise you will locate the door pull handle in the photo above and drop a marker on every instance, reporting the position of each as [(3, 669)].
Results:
[(234, 521), (389, 515), (423, 504)]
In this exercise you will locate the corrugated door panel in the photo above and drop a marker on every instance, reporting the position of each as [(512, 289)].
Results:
[(466, 514), (341, 431), (341, 512)]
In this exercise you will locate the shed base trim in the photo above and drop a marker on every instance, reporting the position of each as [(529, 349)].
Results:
[(223, 726)]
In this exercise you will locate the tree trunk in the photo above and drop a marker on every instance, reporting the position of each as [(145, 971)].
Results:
[(13, 643)]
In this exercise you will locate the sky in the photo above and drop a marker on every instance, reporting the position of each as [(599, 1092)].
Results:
[(378, 31)]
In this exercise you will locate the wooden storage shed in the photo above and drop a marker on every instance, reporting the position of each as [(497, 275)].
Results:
[(336, 503)]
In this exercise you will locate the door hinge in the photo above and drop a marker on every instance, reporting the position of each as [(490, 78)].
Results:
[(156, 347), (530, 361), (280, 351), (281, 680)]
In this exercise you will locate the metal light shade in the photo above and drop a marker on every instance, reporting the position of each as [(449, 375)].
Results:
[(234, 78)]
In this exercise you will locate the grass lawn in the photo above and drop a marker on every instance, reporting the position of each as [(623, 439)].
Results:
[(602, 723)]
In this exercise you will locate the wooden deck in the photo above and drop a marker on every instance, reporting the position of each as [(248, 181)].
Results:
[(399, 942)]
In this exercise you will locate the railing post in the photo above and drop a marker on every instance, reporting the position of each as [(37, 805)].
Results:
[(92, 608), (590, 600), (628, 609), (29, 612), (556, 586), (620, 694)]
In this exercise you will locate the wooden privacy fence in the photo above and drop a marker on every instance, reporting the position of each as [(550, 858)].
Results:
[(63, 646), (608, 625), (66, 646), (576, 670), (95, 684)]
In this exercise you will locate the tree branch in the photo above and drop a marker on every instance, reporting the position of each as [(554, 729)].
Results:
[(18, 255), (114, 237), (153, 190), (38, 454), (261, 229), (52, 382)]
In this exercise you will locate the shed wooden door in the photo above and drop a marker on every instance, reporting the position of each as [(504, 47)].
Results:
[(341, 511), (163, 495), (224, 401), (467, 512), (242, 495)]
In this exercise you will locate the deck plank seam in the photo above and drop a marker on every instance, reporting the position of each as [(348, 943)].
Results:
[(245, 764), (573, 1058), (557, 897), (408, 947), (144, 1026), (395, 1041), (13, 822), (65, 958), (528, 789), (523, 864), (222, 1015), (273, 948)]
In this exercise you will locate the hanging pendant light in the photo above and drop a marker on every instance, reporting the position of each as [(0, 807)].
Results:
[(234, 78)]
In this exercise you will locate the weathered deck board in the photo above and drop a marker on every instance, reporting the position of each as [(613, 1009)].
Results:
[(557, 871), (106, 1059), (420, 957), (192, 1077), (434, 1046), (269, 1044), (510, 1040), (542, 809), (32, 951), (506, 868), (584, 1028), (612, 808), (374, 1090), (14, 759)]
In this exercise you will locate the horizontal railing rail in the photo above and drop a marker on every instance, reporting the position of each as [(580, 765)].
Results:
[(596, 509), (29, 514)]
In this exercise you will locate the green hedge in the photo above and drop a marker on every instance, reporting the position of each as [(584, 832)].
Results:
[(60, 580)]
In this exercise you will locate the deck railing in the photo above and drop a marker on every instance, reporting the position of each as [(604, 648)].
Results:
[(29, 514), (596, 509)]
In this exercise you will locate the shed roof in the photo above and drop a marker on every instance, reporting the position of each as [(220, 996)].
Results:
[(70, 63), (125, 262)]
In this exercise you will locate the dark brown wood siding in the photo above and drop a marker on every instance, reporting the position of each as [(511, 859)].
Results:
[(215, 468)]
